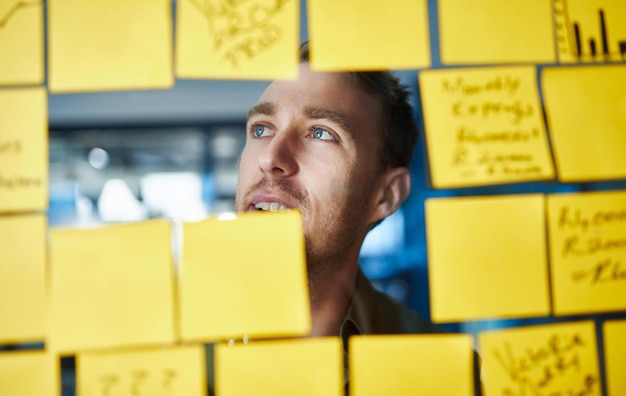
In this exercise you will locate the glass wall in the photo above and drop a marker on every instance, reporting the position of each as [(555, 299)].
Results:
[(119, 175)]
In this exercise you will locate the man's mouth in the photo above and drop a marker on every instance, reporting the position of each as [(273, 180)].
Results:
[(270, 206)]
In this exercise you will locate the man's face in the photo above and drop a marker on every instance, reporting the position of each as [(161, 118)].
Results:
[(312, 145)]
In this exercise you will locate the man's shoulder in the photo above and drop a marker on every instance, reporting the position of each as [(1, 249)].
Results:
[(392, 316), (382, 314)]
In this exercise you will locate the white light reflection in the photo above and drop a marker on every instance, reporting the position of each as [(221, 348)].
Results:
[(98, 158), (117, 203)]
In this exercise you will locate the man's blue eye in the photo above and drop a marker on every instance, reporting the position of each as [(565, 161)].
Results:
[(322, 134), (259, 130)]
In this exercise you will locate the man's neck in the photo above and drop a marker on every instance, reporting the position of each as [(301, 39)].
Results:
[(330, 296)]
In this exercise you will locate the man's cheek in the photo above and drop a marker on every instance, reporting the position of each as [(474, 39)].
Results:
[(341, 189)]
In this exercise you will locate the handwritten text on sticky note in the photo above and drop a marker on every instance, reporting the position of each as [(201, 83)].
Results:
[(23, 149), (588, 251), (558, 359), (237, 39), (484, 126), (148, 372)]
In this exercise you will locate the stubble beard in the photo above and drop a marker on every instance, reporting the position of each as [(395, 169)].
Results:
[(329, 252), (326, 251)]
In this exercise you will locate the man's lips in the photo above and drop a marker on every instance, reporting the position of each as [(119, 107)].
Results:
[(273, 194)]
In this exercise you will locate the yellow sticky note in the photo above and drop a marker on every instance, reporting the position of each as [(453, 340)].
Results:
[(23, 149), (555, 359), (104, 45), (179, 370), (29, 373), (587, 119), (304, 367), (487, 257), (493, 31), (484, 126), (23, 278), (400, 365), (372, 35), (111, 286), (615, 356), (21, 42), (244, 276), (588, 251), (255, 39), (590, 31)]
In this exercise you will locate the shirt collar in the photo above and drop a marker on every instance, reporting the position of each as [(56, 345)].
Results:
[(356, 320)]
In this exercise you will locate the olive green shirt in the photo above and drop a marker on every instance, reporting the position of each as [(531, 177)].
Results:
[(373, 312)]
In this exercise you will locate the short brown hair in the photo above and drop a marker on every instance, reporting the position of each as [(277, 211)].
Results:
[(399, 131)]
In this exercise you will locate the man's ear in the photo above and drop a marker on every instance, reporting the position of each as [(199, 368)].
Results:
[(393, 189)]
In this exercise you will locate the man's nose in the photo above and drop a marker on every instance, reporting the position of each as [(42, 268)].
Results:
[(279, 156)]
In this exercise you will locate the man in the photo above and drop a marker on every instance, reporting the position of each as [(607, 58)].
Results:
[(337, 147)]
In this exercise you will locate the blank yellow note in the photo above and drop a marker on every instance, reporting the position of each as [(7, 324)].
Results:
[(372, 35), (588, 252), (21, 42), (151, 372), (486, 257), (484, 126), (400, 365), (615, 356), (23, 278), (111, 286), (304, 367), (29, 373), (590, 31), (493, 31), (23, 149), (104, 45), (255, 39), (555, 359), (245, 276), (587, 119)]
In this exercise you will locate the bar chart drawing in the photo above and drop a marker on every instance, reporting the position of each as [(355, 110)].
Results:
[(590, 31)]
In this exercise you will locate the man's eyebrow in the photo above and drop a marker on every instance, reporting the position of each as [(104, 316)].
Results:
[(263, 108), (319, 113)]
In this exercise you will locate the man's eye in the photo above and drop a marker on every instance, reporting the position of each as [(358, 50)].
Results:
[(322, 134), (261, 130)]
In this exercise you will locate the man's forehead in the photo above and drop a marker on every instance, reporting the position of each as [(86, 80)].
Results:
[(332, 91), (320, 85)]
